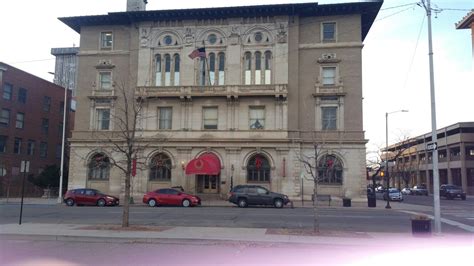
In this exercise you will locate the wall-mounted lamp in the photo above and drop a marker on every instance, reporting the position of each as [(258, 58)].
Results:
[(183, 165)]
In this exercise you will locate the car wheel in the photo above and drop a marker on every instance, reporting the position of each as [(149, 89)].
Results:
[(463, 197), (70, 202), (242, 203), (278, 203), (186, 203), (152, 203), (101, 203)]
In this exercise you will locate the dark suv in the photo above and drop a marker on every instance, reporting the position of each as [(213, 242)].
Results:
[(451, 192), (244, 195)]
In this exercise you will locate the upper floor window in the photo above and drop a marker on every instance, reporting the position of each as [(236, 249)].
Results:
[(257, 117), (258, 72), (329, 118), (3, 144), (209, 117), (17, 146), (268, 67), (216, 68), (103, 119), (165, 117), (5, 117), (22, 95), (106, 39), (30, 150), (329, 76), (20, 120), (45, 125), (105, 80), (329, 31), (7, 91), (248, 68), (46, 103), (171, 66)]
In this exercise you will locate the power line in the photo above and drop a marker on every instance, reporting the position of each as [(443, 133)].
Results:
[(393, 14), (392, 7), (31, 61), (414, 53)]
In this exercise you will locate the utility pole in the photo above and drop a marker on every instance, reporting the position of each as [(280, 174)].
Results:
[(434, 137)]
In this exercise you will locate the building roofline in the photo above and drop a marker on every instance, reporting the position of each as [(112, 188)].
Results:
[(466, 22), (6, 67), (368, 10)]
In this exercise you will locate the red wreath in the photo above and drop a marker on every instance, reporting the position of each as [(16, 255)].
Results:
[(258, 162), (330, 163)]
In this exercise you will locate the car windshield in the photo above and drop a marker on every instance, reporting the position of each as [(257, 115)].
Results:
[(394, 190)]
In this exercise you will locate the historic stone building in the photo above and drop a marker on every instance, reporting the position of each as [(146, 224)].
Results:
[(270, 83)]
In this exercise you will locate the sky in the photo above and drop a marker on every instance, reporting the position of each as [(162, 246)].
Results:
[(395, 55)]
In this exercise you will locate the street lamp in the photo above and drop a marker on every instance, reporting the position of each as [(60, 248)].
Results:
[(63, 140), (386, 155)]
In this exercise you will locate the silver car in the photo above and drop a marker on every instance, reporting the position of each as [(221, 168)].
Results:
[(393, 194)]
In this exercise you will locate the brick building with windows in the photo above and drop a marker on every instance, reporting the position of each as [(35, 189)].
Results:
[(239, 93), (31, 122), (455, 163)]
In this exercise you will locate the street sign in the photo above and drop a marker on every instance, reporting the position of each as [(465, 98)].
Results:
[(432, 146)]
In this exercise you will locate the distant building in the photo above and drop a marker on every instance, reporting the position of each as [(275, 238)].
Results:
[(65, 70), (468, 23), (273, 81), (455, 147), (31, 122)]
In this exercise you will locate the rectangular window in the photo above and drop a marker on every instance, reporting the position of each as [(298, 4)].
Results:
[(45, 125), (43, 149), (329, 75), (22, 95), (3, 144), (46, 103), (20, 120), (58, 151), (17, 146), (103, 119), (7, 91), (5, 117), (329, 31), (31, 147), (329, 118), (3, 170), (106, 39), (105, 80), (209, 115), (165, 116), (257, 117), (60, 129), (61, 108)]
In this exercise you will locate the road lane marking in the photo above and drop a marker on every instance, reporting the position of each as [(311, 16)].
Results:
[(446, 221)]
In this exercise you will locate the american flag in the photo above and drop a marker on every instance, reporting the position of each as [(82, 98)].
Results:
[(200, 52)]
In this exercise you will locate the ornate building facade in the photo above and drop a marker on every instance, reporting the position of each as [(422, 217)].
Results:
[(268, 84)]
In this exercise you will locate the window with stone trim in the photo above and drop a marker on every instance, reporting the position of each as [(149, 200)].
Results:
[(209, 117), (328, 31), (160, 168), (167, 69), (258, 169), (330, 170), (5, 117), (99, 167), (105, 80), (106, 40)]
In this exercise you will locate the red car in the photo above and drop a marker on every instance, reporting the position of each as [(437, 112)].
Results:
[(170, 196), (87, 196)]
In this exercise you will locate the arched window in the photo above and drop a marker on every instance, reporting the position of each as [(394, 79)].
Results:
[(158, 71), (176, 69), (160, 168), (221, 68), (268, 67), (212, 68), (167, 70), (330, 170), (258, 169), (99, 167), (258, 68), (248, 68)]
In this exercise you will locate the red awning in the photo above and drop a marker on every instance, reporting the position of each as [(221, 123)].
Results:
[(206, 164)]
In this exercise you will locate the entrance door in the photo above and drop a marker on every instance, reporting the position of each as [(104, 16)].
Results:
[(208, 183)]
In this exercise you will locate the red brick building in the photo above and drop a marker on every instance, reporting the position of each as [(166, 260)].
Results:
[(31, 121)]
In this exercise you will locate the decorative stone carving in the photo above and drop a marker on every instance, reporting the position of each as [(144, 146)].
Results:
[(328, 58), (188, 36), (104, 64), (234, 35), (282, 35), (144, 37)]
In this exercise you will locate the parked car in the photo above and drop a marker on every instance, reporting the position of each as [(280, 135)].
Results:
[(419, 190), (170, 196), (451, 192), (393, 194), (245, 195), (406, 191), (87, 196)]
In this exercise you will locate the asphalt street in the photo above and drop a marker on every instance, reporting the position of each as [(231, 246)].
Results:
[(338, 218)]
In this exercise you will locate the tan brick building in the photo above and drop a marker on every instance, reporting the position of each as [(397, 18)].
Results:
[(276, 79)]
